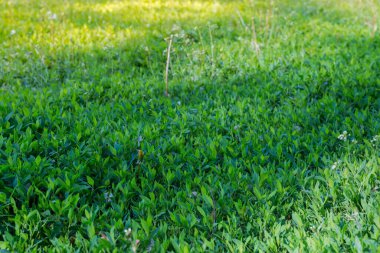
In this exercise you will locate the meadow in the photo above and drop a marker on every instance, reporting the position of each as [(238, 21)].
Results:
[(267, 141)]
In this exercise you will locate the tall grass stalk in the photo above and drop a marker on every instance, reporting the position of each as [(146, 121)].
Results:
[(167, 66)]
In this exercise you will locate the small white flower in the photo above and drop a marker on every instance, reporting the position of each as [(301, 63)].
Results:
[(51, 15), (353, 217), (108, 196), (13, 32), (335, 164), (179, 103), (297, 128), (135, 245), (139, 140), (374, 140), (150, 246), (343, 136), (128, 232), (176, 28), (104, 236)]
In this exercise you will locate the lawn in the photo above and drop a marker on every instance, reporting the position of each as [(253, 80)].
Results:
[(268, 141)]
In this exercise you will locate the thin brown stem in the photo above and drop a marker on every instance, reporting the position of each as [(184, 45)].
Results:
[(255, 45), (267, 23), (374, 25), (212, 53), (167, 67)]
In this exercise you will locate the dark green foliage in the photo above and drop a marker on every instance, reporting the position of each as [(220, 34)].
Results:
[(275, 149)]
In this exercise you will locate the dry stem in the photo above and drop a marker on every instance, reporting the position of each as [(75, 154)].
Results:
[(167, 67)]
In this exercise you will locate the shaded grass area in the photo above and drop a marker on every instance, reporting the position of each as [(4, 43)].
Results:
[(248, 153)]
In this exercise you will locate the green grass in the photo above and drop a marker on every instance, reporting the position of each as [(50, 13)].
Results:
[(265, 149)]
